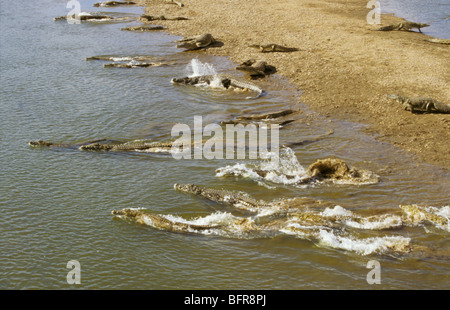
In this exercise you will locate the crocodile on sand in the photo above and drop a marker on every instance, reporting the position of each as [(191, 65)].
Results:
[(197, 42), (113, 3), (256, 68), (421, 104), (149, 18), (270, 48), (439, 41), (225, 80), (143, 28), (407, 26)]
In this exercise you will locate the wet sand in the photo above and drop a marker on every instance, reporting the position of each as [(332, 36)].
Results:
[(344, 69)]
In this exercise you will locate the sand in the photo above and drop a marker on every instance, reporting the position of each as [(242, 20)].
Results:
[(344, 69)]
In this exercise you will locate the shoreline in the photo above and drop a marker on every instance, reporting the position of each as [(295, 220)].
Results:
[(343, 69)]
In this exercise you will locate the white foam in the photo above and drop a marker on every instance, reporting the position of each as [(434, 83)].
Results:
[(282, 168), (337, 211), (365, 246)]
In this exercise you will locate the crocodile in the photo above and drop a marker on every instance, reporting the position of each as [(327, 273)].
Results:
[(42, 143), (149, 18), (439, 41), (269, 115), (323, 170), (113, 3), (256, 68), (270, 48), (160, 222), (143, 28), (109, 145), (133, 65), (416, 214), (267, 118), (85, 17), (175, 2), (421, 104), (237, 200), (403, 26), (198, 42), (227, 81)]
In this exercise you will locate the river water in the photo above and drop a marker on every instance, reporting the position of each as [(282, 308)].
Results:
[(56, 203)]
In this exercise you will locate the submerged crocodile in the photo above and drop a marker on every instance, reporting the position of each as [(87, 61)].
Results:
[(421, 104), (133, 65), (142, 58), (237, 200), (110, 145), (256, 68), (267, 118), (225, 80), (113, 3), (197, 42), (270, 48), (42, 143), (85, 17), (143, 28), (407, 26), (416, 214), (160, 222)]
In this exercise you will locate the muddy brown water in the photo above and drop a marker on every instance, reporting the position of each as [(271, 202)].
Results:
[(57, 203)]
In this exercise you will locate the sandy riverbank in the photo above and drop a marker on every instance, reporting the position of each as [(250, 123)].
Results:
[(343, 68)]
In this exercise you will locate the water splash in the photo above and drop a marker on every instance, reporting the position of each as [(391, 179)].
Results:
[(197, 68)]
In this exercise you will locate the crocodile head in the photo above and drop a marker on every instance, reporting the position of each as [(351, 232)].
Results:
[(125, 212), (40, 143), (186, 80), (188, 188)]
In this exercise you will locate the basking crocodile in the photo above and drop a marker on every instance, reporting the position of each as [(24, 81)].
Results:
[(175, 2), (149, 18), (256, 68), (197, 42), (227, 81), (421, 104), (439, 41), (113, 3), (270, 48), (403, 26), (143, 28), (160, 222)]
